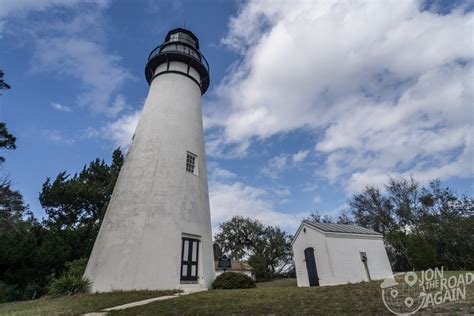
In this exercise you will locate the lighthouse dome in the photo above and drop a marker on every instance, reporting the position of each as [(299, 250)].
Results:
[(183, 46)]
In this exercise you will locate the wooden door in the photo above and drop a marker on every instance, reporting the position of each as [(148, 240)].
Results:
[(189, 260), (311, 267)]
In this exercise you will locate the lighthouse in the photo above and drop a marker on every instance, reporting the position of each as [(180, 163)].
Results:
[(156, 233)]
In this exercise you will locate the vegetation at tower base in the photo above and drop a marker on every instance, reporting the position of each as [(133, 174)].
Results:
[(72, 281), (34, 253), (267, 248), (233, 280)]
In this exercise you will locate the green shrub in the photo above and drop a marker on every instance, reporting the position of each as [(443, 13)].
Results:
[(68, 285), (9, 292), (232, 280), (72, 281), (260, 268), (76, 267), (32, 291)]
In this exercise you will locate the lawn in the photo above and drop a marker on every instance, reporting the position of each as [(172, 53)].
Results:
[(77, 304), (280, 297)]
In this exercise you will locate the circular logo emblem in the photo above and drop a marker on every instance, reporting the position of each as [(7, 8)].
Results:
[(401, 294)]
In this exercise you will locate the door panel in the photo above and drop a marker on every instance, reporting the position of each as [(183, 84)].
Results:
[(311, 267), (189, 260)]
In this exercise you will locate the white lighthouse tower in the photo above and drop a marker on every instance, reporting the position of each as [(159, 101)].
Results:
[(156, 233)]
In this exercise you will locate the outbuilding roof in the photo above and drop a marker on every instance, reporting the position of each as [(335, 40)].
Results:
[(235, 265), (341, 228)]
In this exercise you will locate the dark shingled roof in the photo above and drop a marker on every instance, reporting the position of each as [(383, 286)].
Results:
[(340, 228)]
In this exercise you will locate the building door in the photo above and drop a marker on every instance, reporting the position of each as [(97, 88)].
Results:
[(311, 267), (189, 260)]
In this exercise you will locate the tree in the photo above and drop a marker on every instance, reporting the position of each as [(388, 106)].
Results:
[(18, 232), (76, 205), (317, 217), (3, 84), (218, 253), (277, 250), (81, 200), (33, 253), (372, 210), (240, 235), (345, 218), (12, 207), (446, 222), (7, 140), (267, 248), (423, 227)]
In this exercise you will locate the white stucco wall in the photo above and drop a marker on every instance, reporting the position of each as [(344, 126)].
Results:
[(348, 266), (337, 257), (316, 240), (155, 201)]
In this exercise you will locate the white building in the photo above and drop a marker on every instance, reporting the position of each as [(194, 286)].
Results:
[(156, 233), (330, 254), (237, 267)]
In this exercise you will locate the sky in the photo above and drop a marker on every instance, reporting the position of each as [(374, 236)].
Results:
[(310, 101)]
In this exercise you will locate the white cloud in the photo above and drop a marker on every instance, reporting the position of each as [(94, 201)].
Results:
[(68, 39), (283, 191), (21, 10), (59, 107), (57, 136), (228, 200), (317, 199), (336, 211), (12, 7), (300, 156), (90, 132), (121, 130), (216, 146), (219, 173), (389, 94), (100, 73), (309, 187), (275, 166)]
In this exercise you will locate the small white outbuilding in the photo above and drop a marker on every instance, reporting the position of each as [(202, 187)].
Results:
[(330, 254), (237, 267)]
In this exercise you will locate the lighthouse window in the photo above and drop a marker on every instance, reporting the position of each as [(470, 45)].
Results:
[(191, 163)]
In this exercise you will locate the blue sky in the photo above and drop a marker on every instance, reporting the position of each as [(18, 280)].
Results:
[(309, 100)]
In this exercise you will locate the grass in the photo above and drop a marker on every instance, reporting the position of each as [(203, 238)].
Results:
[(77, 304), (282, 297), (279, 297)]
